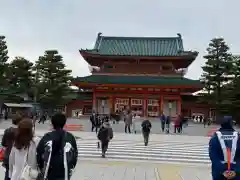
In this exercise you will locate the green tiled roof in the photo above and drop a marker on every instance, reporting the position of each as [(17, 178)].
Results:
[(137, 46), (137, 80), (79, 96), (84, 97)]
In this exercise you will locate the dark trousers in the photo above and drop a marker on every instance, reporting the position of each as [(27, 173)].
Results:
[(96, 128), (167, 127), (180, 128), (127, 128), (176, 129), (104, 146), (92, 127), (6, 175), (41, 120), (145, 137), (163, 126)]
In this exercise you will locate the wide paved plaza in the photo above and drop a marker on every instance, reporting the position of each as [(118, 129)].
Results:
[(115, 170), (191, 130), (174, 149), (162, 148), (168, 157)]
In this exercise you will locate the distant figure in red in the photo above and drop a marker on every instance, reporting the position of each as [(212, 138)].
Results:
[(177, 124)]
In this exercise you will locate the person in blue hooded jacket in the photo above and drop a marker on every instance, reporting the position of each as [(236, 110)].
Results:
[(226, 138)]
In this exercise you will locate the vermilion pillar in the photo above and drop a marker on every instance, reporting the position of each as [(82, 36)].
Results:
[(161, 104), (110, 104), (144, 106), (113, 103), (94, 101), (179, 104)]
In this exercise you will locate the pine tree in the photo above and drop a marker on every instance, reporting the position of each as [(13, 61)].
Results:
[(236, 66), (20, 76), (217, 72), (3, 63), (232, 90), (52, 79)]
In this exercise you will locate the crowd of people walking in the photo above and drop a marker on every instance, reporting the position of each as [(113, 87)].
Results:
[(54, 156), (100, 125), (178, 123), (104, 131), (28, 157)]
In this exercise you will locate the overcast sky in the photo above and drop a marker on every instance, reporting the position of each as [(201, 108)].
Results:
[(33, 26)]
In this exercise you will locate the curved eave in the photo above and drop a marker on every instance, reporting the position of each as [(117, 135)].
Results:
[(91, 85), (181, 61), (86, 53)]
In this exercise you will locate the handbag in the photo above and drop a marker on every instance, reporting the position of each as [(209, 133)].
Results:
[(28, 173), (2, 153)]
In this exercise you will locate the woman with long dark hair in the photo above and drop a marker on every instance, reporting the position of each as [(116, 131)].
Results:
[(23, 151)]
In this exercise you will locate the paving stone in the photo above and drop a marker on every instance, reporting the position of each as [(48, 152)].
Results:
[(104, 170)]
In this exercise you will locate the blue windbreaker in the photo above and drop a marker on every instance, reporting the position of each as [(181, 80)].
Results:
[(217, 156)]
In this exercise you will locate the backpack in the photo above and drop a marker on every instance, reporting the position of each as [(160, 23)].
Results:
[(146, 127), (103, 134)]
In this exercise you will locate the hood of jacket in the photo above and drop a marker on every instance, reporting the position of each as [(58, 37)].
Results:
[(227, 123), (106, 125)]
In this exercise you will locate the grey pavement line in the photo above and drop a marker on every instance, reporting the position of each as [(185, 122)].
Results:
[(179, 174), (161, 139), (203, 143), (118, 151), (198, 178), (153, 147), (150, 158), (127, 161), (157, 174), (159, 151), (115, 162), (169, 144)]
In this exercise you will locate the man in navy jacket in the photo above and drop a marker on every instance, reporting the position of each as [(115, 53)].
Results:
[(225, 139)]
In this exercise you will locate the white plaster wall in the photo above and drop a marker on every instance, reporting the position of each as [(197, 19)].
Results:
[(173, 110), (103, 109)]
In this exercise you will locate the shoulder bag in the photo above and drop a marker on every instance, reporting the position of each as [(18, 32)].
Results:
[(28, 173)]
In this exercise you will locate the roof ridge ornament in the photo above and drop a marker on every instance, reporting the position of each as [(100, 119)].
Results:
[(99, 38), (91, 68), (181, 71), (99, 34), (179, 35)]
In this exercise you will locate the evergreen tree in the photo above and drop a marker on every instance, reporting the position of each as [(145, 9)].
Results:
[(217, 72), (232, 90), (20, 76), (52, 79), (236, 66), (3, 63)]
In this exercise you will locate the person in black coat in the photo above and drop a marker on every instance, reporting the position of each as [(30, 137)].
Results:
[(95, 121), (105, 134), (180, 130), (168, 121), (146, 128), (8, 141), (52, 155)]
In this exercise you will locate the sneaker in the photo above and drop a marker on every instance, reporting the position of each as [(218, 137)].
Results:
[(98, 145), (103, 155)]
